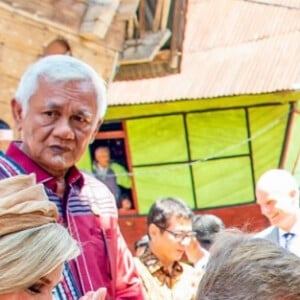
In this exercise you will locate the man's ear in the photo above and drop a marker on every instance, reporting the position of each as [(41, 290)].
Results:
[(99, 123), (153, 230), (17, 112)]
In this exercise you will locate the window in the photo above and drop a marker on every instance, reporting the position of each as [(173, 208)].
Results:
[(111, 164), (153, 41)]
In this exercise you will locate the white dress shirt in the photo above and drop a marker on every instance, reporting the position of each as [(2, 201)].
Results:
[(294, 243)]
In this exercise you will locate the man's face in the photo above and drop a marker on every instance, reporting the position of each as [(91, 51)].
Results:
[(102, 156), (167, 247), (59, 124), (278, 207)]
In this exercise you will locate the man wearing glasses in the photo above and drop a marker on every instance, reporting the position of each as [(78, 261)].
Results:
[(164, 276)]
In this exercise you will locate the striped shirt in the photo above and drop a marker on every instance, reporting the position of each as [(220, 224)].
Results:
[(89, 212)]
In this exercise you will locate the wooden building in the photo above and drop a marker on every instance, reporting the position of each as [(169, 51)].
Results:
[(206, 133), (203, 94)]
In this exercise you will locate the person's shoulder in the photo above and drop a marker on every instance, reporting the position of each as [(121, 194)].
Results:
[(3, 156), (92, 181), (190, 276), (187, 268), (8, 166), (266, 232), (98, 194)]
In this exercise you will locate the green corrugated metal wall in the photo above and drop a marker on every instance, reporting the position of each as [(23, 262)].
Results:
[(209, 155)]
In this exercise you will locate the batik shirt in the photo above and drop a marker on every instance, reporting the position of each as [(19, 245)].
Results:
[(160, 284)]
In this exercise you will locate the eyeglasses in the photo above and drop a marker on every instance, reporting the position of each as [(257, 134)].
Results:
[(178, 236)]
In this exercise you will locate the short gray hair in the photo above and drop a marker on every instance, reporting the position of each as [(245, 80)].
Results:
[(60, 68), (242, 267), (28, 255)]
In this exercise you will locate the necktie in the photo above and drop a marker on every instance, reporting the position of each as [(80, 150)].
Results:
[(288, 236)]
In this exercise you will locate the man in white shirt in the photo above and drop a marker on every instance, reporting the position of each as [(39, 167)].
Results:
[(277, 193), (206, 226)]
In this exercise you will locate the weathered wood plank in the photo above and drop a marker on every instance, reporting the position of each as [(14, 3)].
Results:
[(98, 19), (127, 9), (157, 16), (23, 38), (144, 50), (165, 14), (66, 12)]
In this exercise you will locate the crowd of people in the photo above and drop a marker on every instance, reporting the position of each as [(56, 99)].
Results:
[(59, 232)]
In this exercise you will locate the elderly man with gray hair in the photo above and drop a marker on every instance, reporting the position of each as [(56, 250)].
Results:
[(58, 108), (277, 194)]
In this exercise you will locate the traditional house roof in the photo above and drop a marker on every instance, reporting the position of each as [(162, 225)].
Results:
[(230, 47)]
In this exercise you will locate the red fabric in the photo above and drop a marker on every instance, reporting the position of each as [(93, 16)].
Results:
[(90, 213)]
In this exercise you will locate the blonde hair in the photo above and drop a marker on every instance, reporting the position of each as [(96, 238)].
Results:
[(28, 255), (32, 244)]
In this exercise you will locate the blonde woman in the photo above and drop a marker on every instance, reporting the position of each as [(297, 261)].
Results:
[(33, 247)]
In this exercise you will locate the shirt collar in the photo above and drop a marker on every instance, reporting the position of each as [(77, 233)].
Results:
[(14, 151), (296, 227), (159, 271)]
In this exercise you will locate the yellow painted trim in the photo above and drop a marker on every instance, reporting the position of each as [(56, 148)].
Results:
[(120, 112)]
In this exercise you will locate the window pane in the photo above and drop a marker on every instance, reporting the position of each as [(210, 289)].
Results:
[(153, 183), (223, 182), (157, 140), (268, 126), (217, 134)]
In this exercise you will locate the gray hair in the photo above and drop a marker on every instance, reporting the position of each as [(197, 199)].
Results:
[(28, 255), (242, 267), (60, 68)]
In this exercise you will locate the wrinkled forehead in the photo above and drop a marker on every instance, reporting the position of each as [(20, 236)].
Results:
[(84, 84), (78, 91)]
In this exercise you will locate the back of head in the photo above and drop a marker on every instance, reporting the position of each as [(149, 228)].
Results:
[(243, 268), (142, 242), (163, 209), (60, 68), (31, 243), (206, 227)]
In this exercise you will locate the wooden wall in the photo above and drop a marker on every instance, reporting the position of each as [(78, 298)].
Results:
[(246, 217), (26, 28)]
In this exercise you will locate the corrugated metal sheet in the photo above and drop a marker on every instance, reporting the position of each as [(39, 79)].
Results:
[(231, 47), (284, 3)]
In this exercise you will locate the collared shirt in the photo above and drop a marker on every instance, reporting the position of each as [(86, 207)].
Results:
[(158, 270), (74, 176), (200, 265), (89, 212), (294, 243), (160, 284), (108, 177)]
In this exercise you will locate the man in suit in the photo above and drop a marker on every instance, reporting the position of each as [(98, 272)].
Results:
[(277, 193)]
